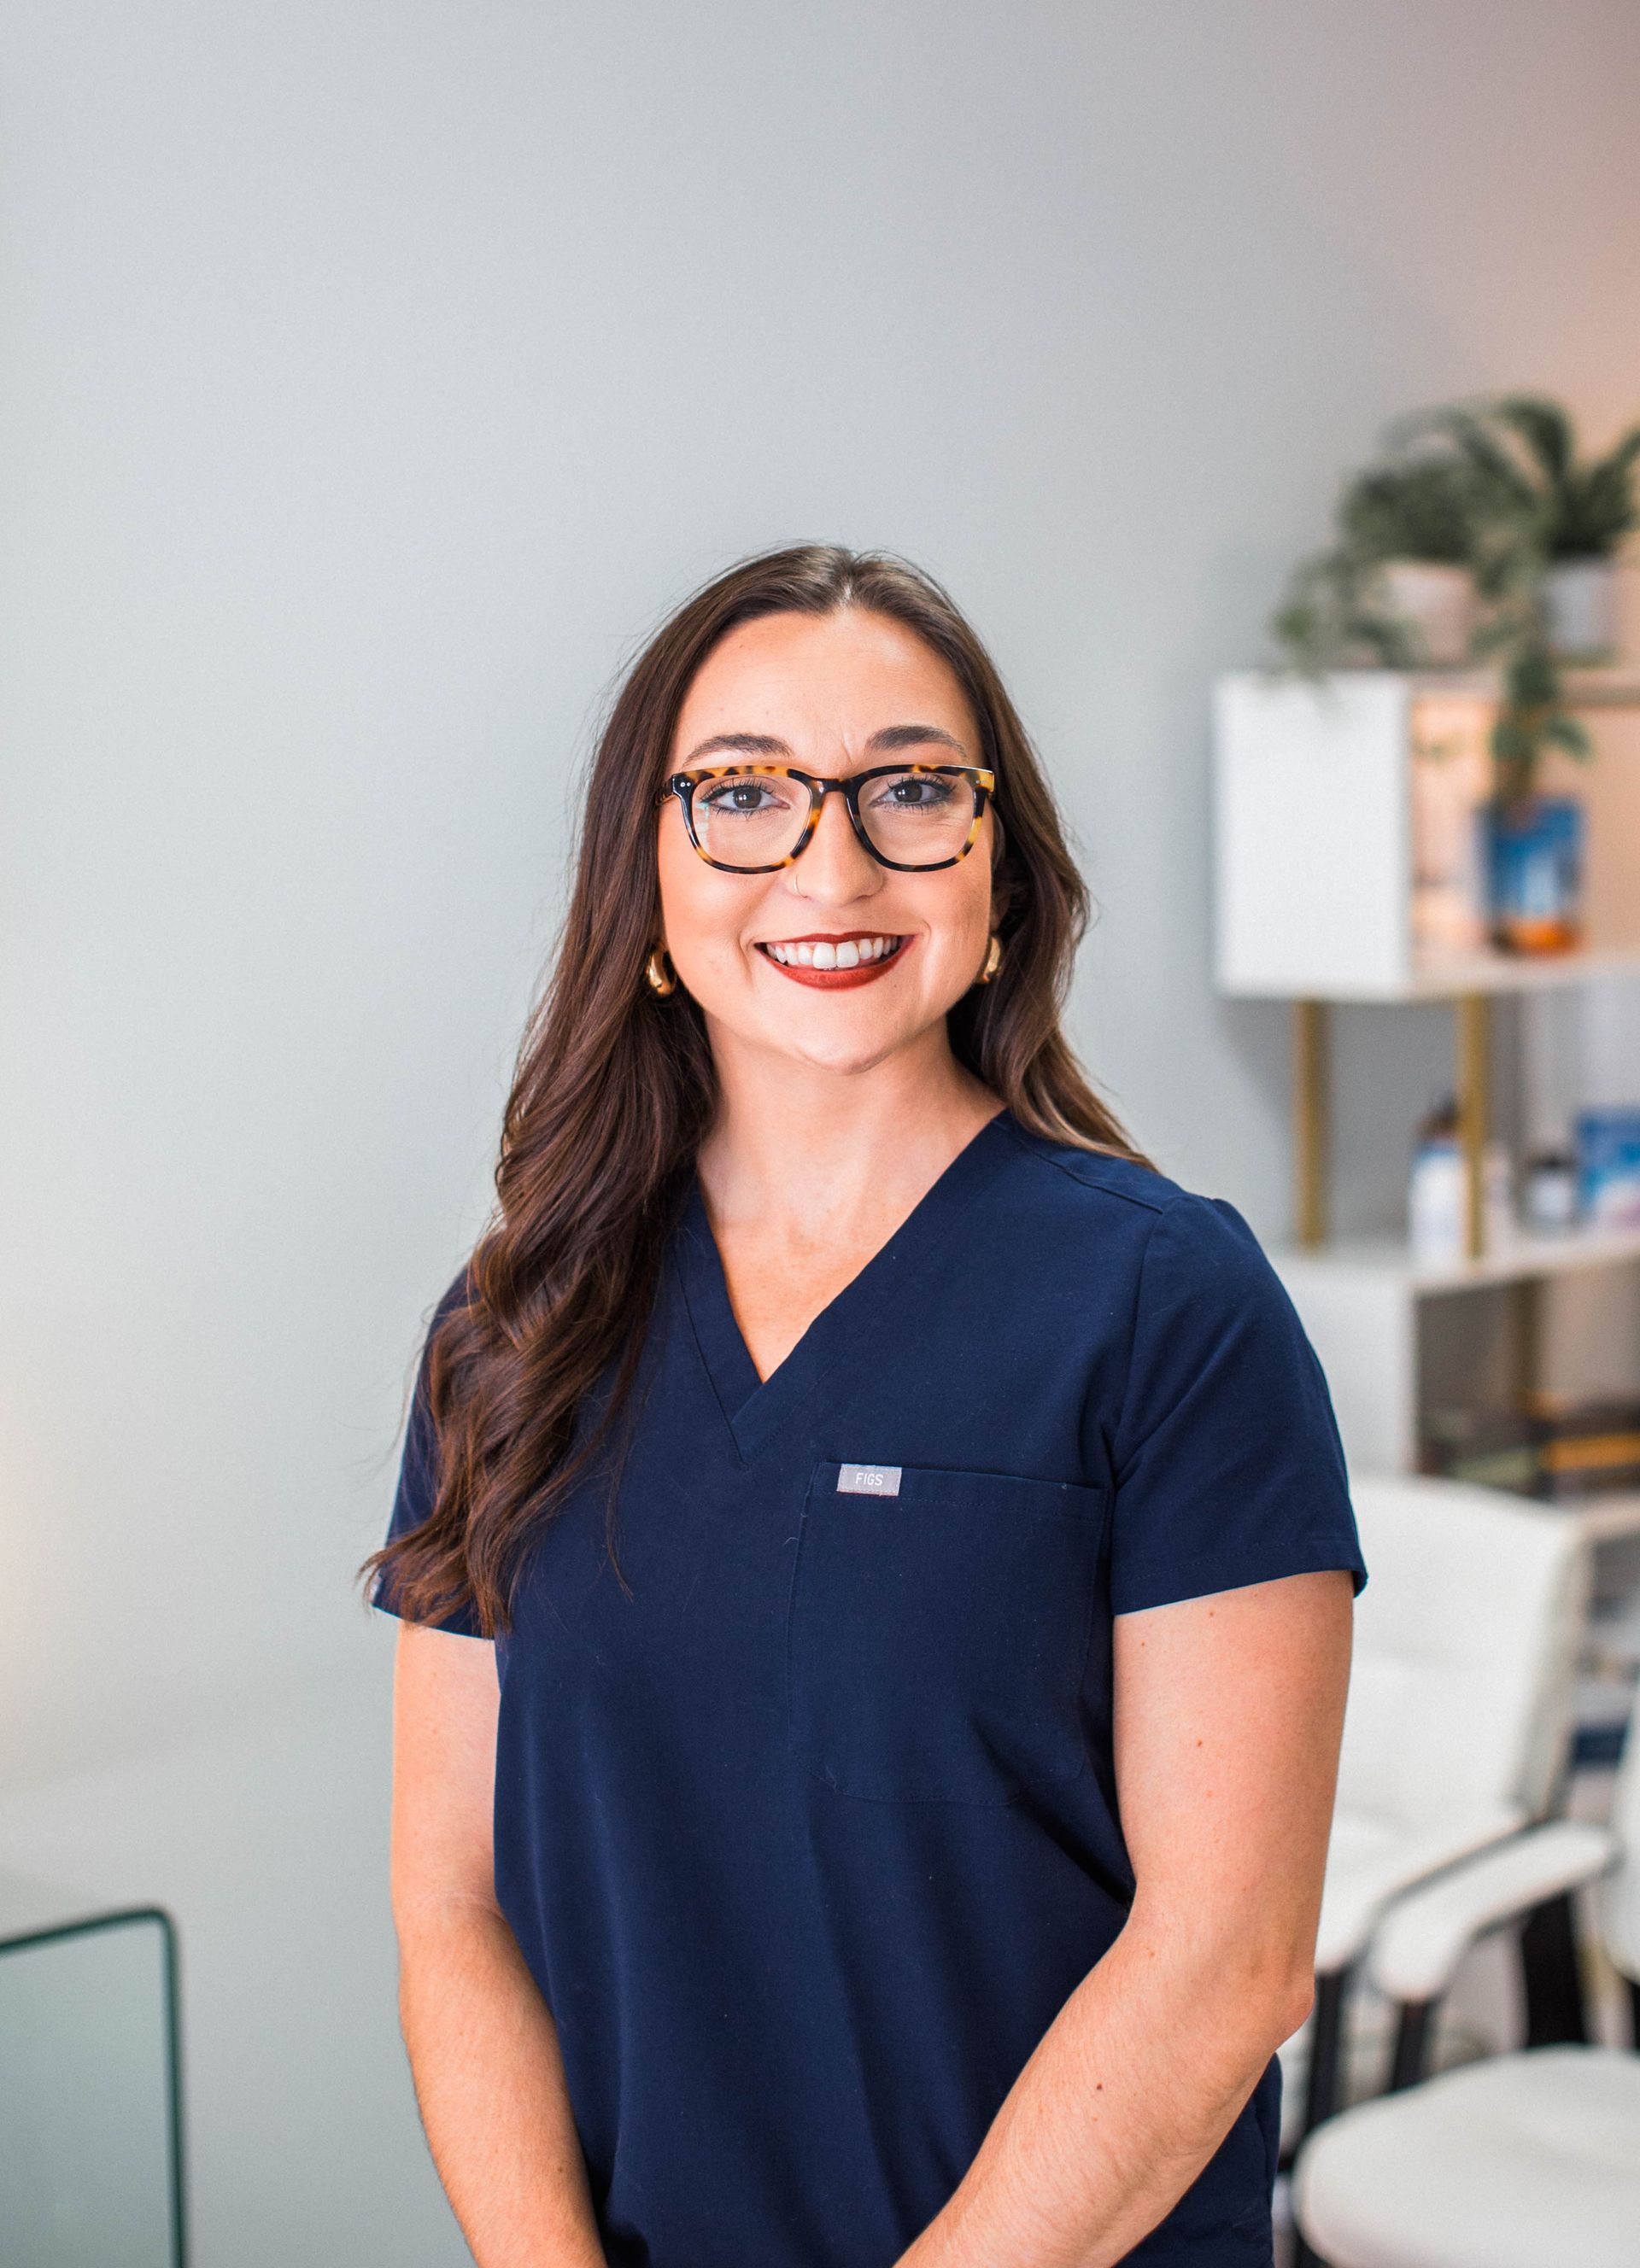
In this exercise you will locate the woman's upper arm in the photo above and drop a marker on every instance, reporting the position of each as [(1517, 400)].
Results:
[(1229, 1713), (446, 1699)]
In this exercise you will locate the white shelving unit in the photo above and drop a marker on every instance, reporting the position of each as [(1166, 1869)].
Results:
[(1339, 808), (1323, 793), (1522, 1256), (1361, 1303)]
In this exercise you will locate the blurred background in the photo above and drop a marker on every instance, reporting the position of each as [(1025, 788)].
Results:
[(374, 377)]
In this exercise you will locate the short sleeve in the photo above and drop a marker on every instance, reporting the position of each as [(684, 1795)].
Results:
[(418, 1486), (1227, 1461)]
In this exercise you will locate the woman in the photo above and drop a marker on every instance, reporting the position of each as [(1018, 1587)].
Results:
[(874, 1553)]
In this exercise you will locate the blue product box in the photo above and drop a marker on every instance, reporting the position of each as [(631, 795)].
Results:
[(1533, 852), (1609, 1167)]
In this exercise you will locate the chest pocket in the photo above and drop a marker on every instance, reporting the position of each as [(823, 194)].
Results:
[(936, 1638)]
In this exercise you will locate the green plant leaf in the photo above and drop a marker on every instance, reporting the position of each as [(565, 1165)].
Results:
[(1545, 428), (1511, 742), (1564, 732), (1466, 430), (1532, 680), (1423, 509), (1619, 463)]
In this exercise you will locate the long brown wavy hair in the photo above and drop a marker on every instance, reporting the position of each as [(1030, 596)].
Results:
[(615, 1089)]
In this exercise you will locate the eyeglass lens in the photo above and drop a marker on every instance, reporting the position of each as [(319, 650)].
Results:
[(755, 819)]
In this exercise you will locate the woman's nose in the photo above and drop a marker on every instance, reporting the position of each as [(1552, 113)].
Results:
[(836, 865)]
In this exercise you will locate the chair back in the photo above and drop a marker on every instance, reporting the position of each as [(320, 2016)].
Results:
[(1466, 1641), (91, 2096), (1620, 1893)]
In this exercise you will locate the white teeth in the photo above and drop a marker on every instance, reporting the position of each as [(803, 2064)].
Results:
[(844, 952)]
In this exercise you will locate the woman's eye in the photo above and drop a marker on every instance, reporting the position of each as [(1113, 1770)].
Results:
[(732, 798), (913, 792)]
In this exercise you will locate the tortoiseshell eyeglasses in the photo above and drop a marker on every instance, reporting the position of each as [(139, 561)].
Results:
[(754, 819)]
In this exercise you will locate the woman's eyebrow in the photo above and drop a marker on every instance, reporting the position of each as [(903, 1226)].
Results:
[(740, 744), (913, 736), (765, 745)]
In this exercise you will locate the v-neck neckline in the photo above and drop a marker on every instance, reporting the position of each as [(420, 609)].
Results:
[(756, 1409)]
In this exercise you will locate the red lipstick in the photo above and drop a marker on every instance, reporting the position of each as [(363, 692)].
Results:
[(865, 971)]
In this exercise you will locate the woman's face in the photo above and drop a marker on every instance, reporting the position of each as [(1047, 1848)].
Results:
[(826, 689)]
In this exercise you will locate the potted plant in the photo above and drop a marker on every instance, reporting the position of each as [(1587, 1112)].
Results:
[(1399, 586), (1572, 513), (1492, 494)]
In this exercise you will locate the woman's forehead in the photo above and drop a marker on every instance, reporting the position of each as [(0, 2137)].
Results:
[(807, 679)]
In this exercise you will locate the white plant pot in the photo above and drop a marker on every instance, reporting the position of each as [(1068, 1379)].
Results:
[(1437, 603), (1580, 606)]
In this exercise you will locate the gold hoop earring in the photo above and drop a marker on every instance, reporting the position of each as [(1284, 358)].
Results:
[(992, 961), (662, 980)]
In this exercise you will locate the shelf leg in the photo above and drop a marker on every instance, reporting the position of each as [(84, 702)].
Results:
[(1310, 1122), (1529, 1297), (1474, 1112)]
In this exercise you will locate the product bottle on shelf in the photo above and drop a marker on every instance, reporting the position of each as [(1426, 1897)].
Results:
[(1549, 1196), (1435, 1199)]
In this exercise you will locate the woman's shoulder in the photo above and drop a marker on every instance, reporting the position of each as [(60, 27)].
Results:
[(1095, 1184), (1069, 1196)]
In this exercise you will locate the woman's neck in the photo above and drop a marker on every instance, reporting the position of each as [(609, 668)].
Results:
[(799, 1153)]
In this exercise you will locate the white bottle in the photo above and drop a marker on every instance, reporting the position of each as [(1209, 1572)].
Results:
[(1436, 1205)]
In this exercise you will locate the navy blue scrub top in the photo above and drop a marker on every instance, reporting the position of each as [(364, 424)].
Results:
[(807, 1841)]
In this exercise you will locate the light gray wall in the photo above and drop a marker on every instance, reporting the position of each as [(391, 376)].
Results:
[(376, 374)]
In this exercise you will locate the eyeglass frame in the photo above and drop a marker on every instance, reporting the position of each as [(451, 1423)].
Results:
[(683, 785)]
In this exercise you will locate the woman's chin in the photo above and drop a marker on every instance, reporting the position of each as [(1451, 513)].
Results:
[(844, 1045)]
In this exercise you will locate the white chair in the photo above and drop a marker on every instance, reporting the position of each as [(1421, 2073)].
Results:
[(1455, 1734), (1525, 2160)]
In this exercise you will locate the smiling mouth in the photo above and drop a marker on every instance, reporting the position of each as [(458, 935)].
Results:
[(834, 964)]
